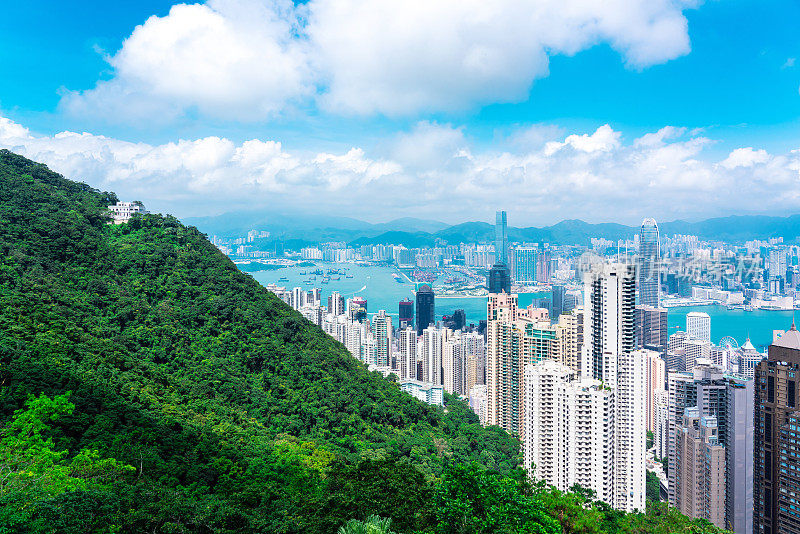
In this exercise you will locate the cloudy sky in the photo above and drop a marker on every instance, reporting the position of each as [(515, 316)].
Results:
[(605, 110)]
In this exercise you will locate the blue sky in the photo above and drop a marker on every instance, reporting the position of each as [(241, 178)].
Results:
[(725, 74)]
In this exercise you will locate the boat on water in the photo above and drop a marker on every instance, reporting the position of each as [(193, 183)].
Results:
[(283, 279), (349, 276)]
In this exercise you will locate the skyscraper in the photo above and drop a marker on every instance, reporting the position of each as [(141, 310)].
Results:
[(609, 303), (501, 238), (651, 328), (425, 307), (557, 304), (499, 279), (739, 457), (406, 309), (649, 265), (776, 484), (504, 366)]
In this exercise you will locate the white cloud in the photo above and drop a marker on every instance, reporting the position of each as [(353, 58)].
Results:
[(250, 59), (404, 57), (433, 171), (745, 157), (231, 59)]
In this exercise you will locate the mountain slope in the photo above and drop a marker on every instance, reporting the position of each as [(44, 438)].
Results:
[(223, 398)]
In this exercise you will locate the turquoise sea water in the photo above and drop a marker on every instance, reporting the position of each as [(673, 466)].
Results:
[(377, 285), (739, 324), (382, 292)]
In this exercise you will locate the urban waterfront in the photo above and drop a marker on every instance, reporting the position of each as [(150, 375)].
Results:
[(382, 292)]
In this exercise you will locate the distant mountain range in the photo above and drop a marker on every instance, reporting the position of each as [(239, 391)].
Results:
[(413, 232)]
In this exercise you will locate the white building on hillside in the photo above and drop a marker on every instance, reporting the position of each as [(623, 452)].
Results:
[(121, 212)]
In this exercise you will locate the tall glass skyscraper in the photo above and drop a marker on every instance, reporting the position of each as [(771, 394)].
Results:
[(649, 264), (426, 308), (501, 238), (499, 279)]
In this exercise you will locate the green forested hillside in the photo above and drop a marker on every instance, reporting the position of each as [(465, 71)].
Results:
[(147, 385)]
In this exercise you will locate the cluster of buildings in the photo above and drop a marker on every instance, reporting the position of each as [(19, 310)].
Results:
[(427, 357), (582, 392), (582, 382)]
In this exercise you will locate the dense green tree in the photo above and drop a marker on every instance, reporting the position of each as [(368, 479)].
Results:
[(473, 500), (371, 525), (652, 487)]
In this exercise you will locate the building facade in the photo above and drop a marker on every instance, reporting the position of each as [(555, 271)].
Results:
[(776, 473)]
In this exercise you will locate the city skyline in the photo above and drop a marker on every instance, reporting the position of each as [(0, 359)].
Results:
[(234, 104)]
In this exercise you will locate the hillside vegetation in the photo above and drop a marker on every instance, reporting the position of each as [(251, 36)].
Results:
[(147, 385)]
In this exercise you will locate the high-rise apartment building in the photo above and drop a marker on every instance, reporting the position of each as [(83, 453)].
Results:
[(651, 328), (382, 330), (661, 424), (656, 383), (503, 366), (629, 429), (649, 264), (336, 304), (686, 351), (454, 377), (431, 355), (609, 323), (568, 330), (573, 434), (704, 388), (698, 326), (776, 473), (475, 355), (426, 307), (408, 354), (700, 468)]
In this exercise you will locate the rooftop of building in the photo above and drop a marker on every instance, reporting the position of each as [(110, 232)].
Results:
[(790, 339)]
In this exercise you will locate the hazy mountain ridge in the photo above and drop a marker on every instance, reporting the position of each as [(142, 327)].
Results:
[(414, 232)]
